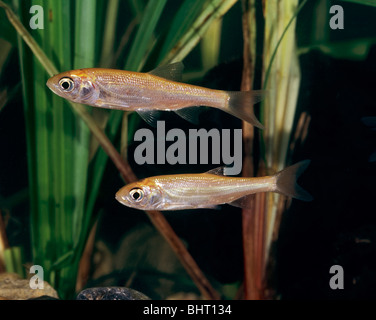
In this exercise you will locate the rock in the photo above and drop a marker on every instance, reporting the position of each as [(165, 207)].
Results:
[(9, 275), (111, 293), (44, 298), (14, 288), (184, 296)]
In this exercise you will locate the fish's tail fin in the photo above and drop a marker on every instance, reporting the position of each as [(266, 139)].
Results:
[(240, 102), (286, 181)]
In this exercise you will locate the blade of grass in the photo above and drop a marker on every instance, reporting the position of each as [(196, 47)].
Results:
[(144, 35), (214, 9), (85, 26), (45, 217), (181, 24), (107, 54), (210, 45), (13, 260), (281, 74), (62, 144)]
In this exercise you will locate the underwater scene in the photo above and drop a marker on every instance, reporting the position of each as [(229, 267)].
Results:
[(187, 150)]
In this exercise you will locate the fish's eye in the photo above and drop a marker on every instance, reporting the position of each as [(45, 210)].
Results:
[(67, 84), (136, 194)]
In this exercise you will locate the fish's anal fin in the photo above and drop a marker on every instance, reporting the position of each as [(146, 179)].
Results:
[(191, 114), (243, 202), (220, 171), (150, 117), (172, 71)]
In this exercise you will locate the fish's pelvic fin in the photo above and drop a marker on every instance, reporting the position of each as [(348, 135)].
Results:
[(150, 117), (191, 114), (243, 202), (286, 181), (240, 105), (172, 71)]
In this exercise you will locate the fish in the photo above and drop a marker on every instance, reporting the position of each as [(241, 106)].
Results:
[(209, 190), (146, 93)]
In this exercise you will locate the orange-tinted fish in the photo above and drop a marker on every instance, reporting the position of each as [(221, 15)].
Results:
[(208, 190), (149, 92)]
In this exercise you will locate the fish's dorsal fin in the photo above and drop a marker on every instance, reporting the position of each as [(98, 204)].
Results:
[(191, 114), (172, 71), (243, 202), (150, 117), (220, 171)]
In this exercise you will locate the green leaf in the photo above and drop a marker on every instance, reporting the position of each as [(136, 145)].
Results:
[(7, 32), (180, 24), (63, 261), (13, 260), (213, 10), (141, 43)]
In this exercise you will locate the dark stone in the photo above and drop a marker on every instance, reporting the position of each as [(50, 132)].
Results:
[(111, 293), (44, 298)]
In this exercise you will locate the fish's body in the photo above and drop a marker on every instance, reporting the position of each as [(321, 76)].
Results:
[(149, 92), (208, 190)]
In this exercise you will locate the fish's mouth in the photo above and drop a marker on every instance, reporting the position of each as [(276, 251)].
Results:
[(52, 86), (119, 198)]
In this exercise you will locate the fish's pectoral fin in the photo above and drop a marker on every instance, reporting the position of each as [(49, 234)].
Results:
[(172, 71), (243, 202), (191, 114), (150, 117), (220, 171)]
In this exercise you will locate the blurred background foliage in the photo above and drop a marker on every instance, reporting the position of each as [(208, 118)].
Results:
[(57, 187)]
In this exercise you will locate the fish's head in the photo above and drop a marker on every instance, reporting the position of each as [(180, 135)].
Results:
[(143, 195), (76, 85)]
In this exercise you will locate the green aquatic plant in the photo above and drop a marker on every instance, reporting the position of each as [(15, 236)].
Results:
[(63, 182)]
